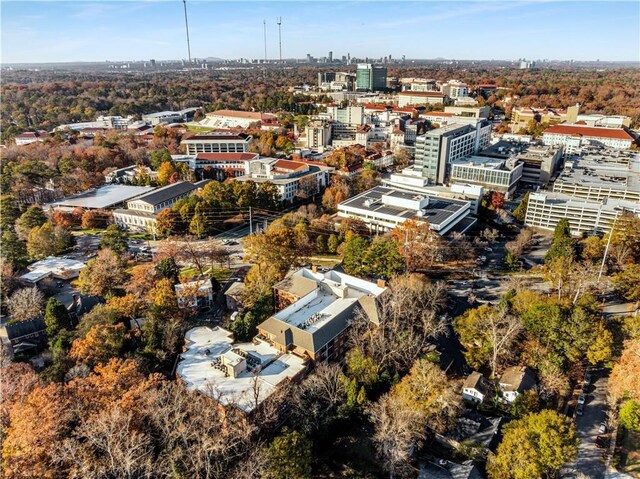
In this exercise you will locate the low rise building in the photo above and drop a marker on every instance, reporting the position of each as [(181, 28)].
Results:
[(225, 165), (522, 116), (235, 119), (382, 209), (294, 179), (573, 137), (141, 212), (515, 381), (170, 116), (29, 137), (220, 141), (476, 388), (55, 267), (241, 375), (545, 209), (197, 294), (490, 173), (316, 322), (469, 111), (408, 98), (102, 197), (604, 121)]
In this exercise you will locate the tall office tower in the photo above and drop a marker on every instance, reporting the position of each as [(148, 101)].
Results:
[(330, 57), (371, 77)]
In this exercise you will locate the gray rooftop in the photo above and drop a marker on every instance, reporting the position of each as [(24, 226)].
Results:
[(436, 212), (102, 197), (621, 171), (167, 192)]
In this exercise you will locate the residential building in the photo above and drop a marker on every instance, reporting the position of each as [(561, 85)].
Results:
[(476, 388), (102, 197), (235, 119), (493, 174), (469, 111), (141, 212), (217, 142), (476, 428), (29, 137), (522, 116), (407, 98), (576, 136), (515, 381), (240, 375), (316, 323), (197, 294), (233, 295), (545, 209), (27, 336), (371, 77), (294, 179), (318, 134), (599, 175), (436, 149), (382, 209)]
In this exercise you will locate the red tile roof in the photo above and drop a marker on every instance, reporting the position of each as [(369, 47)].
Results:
[(432, 94), (251, 115), (438, 113), (617, 133), (289, 165)]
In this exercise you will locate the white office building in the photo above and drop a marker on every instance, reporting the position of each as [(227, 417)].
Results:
[(220, 141)]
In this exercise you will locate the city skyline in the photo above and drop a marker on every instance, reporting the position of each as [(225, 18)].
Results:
[(65, 31)]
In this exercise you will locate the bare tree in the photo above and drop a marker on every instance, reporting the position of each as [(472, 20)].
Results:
[(26, 303), (503, 329), (398, 432), (406, 322)]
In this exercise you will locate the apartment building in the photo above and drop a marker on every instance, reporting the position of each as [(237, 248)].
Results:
[(455, 89), (436, 149), (217, 142), (544, 210), (574, 136), (490, 173), (318, 309), (318, 135)]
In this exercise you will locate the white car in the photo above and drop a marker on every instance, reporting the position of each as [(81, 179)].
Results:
[(582, 398), (603, 428)]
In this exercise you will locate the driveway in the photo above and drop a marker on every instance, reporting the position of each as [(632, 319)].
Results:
[(590, 459)]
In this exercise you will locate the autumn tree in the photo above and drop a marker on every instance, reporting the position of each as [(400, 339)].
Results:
[(289, 456), (625, 375), (104, 275), (534, 447), (99, 345), (95, 219), (629, 415), (25, 304), (627, 282)]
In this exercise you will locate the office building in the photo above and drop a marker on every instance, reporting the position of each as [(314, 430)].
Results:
[(371, 77), (574, 137), (604, 121), (469, 111), (325, 77), (455, 89), (490, 173), (382, 209), (225, 165), (318, 308), (217, 142), (318, 134), (436, 149), (522, 116), (235, 119)]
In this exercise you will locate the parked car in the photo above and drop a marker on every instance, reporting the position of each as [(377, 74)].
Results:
[(580, 409), (582, 398), (603, 428), (587, 378)]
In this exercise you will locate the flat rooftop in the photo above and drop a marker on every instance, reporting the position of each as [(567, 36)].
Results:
[(603, 171), (608, 204), (102, 197), (206, 347), (436, 212)]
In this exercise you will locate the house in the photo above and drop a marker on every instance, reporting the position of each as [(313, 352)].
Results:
[(515, 381), (27, 336), (472, 427), (233, 296), (242, 375), (196, 294), (476, 387), (449, 470), (316, 324), (81, 305)]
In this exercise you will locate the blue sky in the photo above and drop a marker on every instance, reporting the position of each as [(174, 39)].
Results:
[(74, 30)]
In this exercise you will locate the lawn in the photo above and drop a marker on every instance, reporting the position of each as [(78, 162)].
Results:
[(198, 129), (628, 452), (92, 231)]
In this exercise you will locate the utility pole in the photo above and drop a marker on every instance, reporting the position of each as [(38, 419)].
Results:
[(186, 24), (280, 37), (250, 222), (264, 23)]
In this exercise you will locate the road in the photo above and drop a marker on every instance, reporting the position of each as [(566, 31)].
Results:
[(590, 459)]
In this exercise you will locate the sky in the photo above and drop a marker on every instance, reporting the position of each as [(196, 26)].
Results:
[(75, 30)]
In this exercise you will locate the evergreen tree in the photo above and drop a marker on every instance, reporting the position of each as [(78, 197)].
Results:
[(289, 456), (56, 318), (521, 210), (13, 249), (563, 245), (115, 239)]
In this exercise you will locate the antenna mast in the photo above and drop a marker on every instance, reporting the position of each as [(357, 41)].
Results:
[(264, 23), (186, 24), (280, 37)]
